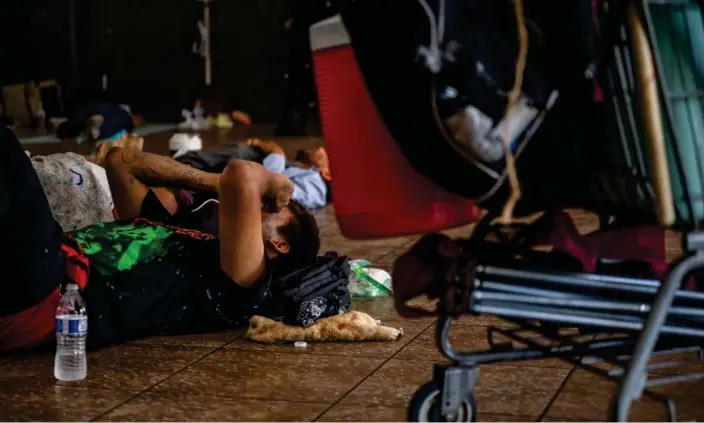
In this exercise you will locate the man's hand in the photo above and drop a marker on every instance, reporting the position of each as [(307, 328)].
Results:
[(274, 189), (268, 147), (242, 117), (278, 193)]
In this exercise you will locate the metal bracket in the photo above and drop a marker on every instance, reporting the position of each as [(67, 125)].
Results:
[(457, 384), (694, 241), (460, 281)]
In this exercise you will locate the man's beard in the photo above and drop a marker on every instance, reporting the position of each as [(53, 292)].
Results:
[(269, 231)]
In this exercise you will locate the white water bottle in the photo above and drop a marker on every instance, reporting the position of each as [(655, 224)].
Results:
[(70, 363)]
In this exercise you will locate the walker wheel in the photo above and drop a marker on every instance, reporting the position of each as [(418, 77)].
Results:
[(425, 406)]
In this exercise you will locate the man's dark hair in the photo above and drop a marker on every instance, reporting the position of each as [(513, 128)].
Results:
[(303, 237)]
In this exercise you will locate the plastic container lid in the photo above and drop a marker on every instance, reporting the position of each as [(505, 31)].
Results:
[(328, 33)]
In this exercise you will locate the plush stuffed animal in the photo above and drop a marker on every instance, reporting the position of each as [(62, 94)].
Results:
[(351, 326)]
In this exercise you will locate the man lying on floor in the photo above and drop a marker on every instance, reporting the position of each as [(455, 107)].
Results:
[(103, 125), (78, 198), (197, 209), (141, 278), (103, 120)]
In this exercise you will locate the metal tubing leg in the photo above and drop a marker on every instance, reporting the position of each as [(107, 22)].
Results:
[(634, 382)]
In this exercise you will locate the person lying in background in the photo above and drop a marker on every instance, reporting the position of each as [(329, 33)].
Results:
[(199, 209), (309, 172), (142, 278), (103, 125), (98, 121)]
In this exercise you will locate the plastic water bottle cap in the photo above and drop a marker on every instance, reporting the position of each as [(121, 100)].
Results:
[(301, 344)]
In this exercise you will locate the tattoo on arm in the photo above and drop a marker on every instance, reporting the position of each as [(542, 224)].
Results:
[(129, 155), (165, 171)]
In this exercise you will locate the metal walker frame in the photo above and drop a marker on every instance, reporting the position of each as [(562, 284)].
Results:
[(630, 319), (657, 319)]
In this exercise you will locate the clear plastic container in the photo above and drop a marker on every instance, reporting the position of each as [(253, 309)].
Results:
[(71, 363)]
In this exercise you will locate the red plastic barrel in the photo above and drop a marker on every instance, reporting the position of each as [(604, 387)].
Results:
[(376, 192)]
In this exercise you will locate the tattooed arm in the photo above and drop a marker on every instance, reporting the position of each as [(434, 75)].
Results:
[(132, 173)]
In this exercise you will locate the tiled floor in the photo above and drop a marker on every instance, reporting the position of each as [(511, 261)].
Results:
[(223, 377)]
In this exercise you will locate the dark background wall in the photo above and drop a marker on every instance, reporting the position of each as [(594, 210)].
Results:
[(34, 40), (145, 49)]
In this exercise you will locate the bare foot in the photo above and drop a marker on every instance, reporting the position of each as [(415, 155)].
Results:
[(241, 117), (134, 142)]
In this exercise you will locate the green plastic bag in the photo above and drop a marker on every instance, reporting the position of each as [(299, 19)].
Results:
[(368, 282)]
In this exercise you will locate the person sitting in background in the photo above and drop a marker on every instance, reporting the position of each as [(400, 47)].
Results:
[(142, 278)]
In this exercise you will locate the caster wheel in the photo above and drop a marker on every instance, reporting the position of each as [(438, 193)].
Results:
[(426, 406)]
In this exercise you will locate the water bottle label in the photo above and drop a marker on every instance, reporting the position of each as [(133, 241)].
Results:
[(71, 326)]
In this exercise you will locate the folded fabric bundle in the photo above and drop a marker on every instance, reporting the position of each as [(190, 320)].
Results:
[(638, 245), (351, 326)]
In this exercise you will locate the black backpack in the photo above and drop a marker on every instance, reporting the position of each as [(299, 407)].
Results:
[(312, 293)]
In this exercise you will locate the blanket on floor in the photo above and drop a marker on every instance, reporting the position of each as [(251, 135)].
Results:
[(351, 326)]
